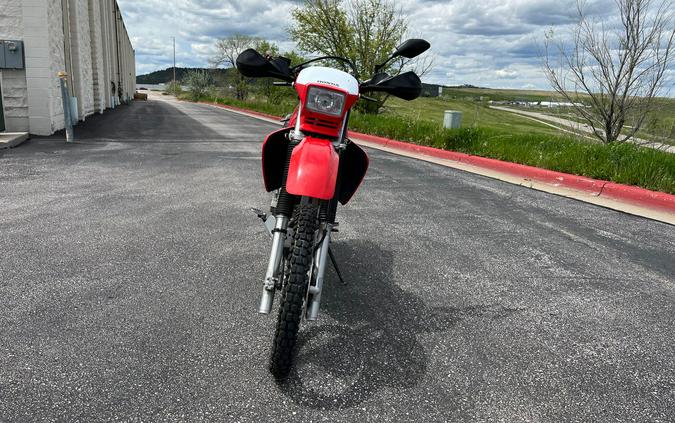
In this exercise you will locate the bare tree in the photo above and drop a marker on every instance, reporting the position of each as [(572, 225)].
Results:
[(611, 75), (227, 50)]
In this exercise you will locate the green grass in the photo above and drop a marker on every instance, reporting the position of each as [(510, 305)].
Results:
[(503, 136), (659, 125), (474, 114)]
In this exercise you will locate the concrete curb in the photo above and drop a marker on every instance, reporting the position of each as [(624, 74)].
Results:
[(598, 188), (12, 139)]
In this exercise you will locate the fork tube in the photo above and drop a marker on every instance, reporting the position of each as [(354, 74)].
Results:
[(297, 135), (313, 309), (272, 275), (343, 130)]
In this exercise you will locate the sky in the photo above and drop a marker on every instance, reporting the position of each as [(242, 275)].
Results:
[(487, 43)]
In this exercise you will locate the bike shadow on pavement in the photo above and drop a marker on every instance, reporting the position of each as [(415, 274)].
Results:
[(366, 338)]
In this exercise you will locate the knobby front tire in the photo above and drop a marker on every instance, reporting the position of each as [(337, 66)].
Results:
[(294, 291)]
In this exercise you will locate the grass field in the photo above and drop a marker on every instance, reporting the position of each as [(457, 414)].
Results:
[(659, 125), (474, 114)]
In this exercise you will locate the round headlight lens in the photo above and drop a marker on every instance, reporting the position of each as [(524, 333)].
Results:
[(325, 101)]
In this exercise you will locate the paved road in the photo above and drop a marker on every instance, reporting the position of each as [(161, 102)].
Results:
[(576, 127), (130, 273)]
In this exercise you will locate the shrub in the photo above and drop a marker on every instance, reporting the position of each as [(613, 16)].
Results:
[(198, 83), (173, 88)]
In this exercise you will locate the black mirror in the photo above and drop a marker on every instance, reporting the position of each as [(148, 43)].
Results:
[(252, 64), (407, 86), (409, 49), (412, 48)]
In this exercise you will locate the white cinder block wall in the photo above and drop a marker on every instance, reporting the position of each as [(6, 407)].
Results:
[(96, 54), (80, 37), (13, 82), (42, 36)]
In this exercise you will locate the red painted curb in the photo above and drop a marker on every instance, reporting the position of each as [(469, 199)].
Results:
[(641, 196), (528, 172), (627, 193)]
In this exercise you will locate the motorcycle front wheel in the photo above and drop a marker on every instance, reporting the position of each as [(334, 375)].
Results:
[(294, 291)]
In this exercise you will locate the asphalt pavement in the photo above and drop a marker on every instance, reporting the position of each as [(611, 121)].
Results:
[(131, 268)]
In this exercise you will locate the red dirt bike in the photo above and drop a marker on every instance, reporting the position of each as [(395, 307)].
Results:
[(311, 166)]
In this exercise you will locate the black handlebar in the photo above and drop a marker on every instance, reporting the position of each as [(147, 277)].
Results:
[(252, 64)]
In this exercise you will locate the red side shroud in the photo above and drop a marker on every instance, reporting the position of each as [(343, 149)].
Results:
[(314, 169), (353, 167)]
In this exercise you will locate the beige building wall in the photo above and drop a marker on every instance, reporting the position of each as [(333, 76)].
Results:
[(77, 36)]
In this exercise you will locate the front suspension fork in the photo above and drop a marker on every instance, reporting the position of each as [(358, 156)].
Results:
[(273, 271), (320, 260)]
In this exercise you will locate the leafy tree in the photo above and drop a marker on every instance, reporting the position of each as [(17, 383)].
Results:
[(613, 74), (364, 31), (198, 83), (266, 48)]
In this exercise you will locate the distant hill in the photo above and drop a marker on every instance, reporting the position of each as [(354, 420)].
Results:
[(166, 75)]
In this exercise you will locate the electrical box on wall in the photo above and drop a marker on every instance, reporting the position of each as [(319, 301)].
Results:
[(11, 54)]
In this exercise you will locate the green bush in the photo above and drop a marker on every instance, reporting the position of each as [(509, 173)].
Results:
[(173, 88), (198, 83)]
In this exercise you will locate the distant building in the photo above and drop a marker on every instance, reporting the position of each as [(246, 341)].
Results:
[(40, 38), (549, 104), (556, 104)]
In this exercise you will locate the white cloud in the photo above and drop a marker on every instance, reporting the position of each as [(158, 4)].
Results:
[(494, 43), (506, 73)]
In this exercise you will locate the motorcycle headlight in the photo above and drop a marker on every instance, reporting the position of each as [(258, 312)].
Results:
[(325, 101)]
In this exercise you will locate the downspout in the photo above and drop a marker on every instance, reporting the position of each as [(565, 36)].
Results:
[(67, 55)]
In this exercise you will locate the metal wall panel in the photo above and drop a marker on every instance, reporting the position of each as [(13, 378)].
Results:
[(12, 53)]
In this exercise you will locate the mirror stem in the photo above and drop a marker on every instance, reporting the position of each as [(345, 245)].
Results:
[(383, 64)]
